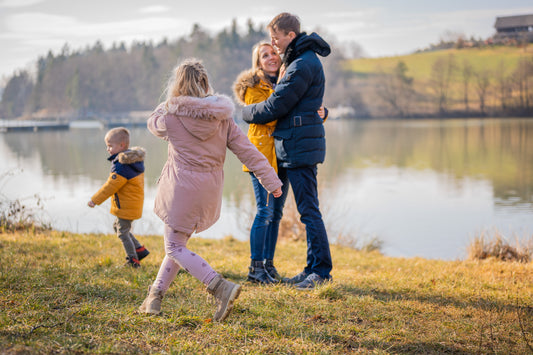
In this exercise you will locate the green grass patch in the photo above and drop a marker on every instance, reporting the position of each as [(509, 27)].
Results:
[(420, 64), (69, 293)]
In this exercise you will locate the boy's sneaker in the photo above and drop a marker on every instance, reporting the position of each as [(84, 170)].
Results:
[(296, 279), (134, 263), (311, 282), (142, 252)]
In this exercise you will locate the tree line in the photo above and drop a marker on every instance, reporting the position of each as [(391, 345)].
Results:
[(96, 82), (456, 88)]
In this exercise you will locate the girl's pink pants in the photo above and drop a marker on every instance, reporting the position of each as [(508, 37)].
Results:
[(177, 255)]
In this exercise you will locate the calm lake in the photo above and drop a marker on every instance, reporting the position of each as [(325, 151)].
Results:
[(423, 187)]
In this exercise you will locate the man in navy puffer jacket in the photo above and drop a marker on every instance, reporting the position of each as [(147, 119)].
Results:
[(299, 135)]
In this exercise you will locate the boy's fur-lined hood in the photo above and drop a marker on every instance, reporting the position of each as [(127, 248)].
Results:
[(245, 80), (201, 116), (132, 155)]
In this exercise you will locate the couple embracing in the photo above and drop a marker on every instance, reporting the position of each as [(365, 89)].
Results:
[(284, 109)]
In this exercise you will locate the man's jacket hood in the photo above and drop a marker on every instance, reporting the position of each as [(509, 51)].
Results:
[(304, 42)]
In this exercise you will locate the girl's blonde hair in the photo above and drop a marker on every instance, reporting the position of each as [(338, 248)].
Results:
[(189, 79)]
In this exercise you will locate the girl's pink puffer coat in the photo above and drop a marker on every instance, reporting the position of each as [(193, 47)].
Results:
[(198, 131)]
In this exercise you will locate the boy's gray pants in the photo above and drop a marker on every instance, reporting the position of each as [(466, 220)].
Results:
[(122, 227)]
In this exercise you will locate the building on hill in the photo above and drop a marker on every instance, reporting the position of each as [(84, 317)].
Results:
[(514, 28)]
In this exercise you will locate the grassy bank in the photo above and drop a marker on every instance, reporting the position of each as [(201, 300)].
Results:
[(68, 293), (421, 63), (467, 82)]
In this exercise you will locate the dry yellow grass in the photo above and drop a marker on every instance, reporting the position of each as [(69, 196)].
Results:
[(68, 293), (496, 245)]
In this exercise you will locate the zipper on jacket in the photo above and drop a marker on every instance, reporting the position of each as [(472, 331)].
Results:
[(117, 201)]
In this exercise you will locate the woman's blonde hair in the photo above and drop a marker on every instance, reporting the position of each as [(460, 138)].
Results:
[(256, 65), (255, 54), (189, 79)]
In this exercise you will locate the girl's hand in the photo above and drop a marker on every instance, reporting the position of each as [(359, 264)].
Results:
[(91, 204), (277, 192), (321, 112)]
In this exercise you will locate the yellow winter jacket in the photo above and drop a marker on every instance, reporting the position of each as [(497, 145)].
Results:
[(125, 184), (249, 88)]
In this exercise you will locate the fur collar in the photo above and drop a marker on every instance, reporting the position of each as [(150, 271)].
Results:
[(249, 79), (132, 155), (245, 80), (214, 107)]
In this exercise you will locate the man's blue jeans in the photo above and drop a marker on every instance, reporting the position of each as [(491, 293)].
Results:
[(264, 232), (304, 185)]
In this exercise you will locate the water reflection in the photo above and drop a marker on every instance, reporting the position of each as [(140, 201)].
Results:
[(424, 187)]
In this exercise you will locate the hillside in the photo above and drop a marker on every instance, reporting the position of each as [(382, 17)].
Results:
[(469, 81), (420, 64), (68, 293)]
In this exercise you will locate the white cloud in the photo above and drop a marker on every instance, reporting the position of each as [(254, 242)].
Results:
[(154, 9), (31, 27), (19, 3)]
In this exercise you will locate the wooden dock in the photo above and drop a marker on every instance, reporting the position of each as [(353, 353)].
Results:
[(51, 125), (32, 126)]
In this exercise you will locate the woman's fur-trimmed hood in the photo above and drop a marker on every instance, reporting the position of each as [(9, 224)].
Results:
[(132, 155), (245, 80)]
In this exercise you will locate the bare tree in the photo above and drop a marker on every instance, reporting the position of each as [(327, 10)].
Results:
[(467, 72), (396, 89), (441, 75), (520, 79), (482, 88), (504, 87)]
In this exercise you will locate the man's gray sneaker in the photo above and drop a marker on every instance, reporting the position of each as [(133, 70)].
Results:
[(296, 279), (311, 282)]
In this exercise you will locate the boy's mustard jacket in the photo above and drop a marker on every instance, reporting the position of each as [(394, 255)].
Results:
[(125, 184), (249, 88)]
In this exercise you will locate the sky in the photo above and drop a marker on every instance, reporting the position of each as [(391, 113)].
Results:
[(31, 28)]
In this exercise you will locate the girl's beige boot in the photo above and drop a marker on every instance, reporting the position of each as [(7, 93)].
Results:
[(152, 302), (225, 292)]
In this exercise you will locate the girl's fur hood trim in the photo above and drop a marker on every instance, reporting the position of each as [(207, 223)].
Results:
[(132, 155), (245, 80), (215, 107)]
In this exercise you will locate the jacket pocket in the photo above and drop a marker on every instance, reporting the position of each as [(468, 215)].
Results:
[(283, 143), (117, 201), (263, 143)]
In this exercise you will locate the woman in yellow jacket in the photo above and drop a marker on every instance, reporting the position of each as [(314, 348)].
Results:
[(253, 86)]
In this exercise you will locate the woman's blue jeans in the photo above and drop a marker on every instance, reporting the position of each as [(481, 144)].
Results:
[(264, 232)]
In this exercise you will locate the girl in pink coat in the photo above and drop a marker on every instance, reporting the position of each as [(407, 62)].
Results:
[(198, 126)]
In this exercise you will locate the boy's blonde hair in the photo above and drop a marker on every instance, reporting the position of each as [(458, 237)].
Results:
[(189, 79), (285, 22), (118, 135)]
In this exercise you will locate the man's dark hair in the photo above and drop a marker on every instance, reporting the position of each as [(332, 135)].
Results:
[(285, 22)]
